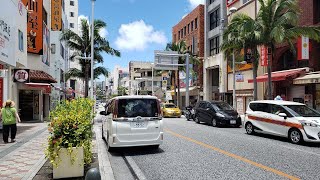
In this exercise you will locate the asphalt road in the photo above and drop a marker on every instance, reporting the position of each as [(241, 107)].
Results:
[(199, 151)]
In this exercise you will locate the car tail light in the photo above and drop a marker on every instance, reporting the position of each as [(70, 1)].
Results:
[(161, 136), (115, 109)]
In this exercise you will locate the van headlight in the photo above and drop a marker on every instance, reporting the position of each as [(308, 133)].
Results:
[(220, 115), (309, 124)]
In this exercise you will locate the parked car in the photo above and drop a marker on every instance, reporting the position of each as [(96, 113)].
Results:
[(216, 113), (293, 120), (170, 110), (132, 121)]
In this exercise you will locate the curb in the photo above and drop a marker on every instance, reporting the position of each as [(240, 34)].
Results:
[(134, 168), (104, 162), (35, 169)]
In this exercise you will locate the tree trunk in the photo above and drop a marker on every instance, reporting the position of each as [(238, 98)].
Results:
[(255, 85), (86, 79)]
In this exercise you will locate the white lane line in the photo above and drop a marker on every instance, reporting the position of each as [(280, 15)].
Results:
[(138, 172)]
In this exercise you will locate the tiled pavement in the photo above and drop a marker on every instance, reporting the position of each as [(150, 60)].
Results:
[(23, 159)]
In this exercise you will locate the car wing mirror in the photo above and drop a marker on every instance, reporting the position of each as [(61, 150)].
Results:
[(284, 115), (104, 113)]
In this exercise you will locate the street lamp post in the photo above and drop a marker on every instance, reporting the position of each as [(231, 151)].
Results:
[(232, 10), (92, 48), (152, 64)]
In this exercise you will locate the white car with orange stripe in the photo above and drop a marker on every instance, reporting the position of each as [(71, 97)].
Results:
[(289, 119)]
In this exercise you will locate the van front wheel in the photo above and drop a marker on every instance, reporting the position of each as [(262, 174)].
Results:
[(249, 128)]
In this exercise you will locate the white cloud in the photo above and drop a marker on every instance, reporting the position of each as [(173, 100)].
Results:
[(103, 32), (184, 16), (138, 35), (195, 3)]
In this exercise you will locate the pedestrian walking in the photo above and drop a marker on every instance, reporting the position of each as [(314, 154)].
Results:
[(9, 117)]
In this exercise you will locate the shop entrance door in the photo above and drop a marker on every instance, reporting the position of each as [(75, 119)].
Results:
[(26, 105)]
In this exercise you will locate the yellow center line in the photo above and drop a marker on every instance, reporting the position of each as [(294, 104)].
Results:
[(280, 173)]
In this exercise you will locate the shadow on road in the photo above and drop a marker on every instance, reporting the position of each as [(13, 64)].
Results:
[(136, 151), (283, 139)]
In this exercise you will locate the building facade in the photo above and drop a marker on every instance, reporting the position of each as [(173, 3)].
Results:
[(215, 65), (191, 30)]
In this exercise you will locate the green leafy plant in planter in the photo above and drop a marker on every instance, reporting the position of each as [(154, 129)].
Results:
[(70, 127)]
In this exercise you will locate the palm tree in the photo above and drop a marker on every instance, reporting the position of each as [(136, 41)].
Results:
[(278, 23), (181, 48), (242, 33), (81, 44)]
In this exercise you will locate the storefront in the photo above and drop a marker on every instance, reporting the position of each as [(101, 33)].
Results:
[(34, 96)]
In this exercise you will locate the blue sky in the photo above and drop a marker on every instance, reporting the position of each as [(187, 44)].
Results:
[(137, 27)]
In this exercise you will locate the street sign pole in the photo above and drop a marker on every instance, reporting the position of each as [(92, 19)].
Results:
[(187, 80)]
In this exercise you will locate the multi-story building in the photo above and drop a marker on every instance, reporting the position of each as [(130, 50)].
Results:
[(72, 14), (294, 78), (215, 65), (117, 77), (191, 30)]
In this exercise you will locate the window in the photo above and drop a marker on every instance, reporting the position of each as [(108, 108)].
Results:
[(61, 51), (73, 84), (178, 34), (20, 41), (316, 5), (71, 25), (196, 23), (245, 1), (211, 1), (214, 46), (45, 16), (191, 26), (215, 19), (71, 14), (188, 28), (71, 3), (263, 107), (149, 73), (185, 31)]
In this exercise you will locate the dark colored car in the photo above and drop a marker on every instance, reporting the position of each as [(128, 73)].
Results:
[(216, 113)]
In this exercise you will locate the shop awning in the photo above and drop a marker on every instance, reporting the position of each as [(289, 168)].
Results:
[(310, 78), (44, 86), (280, 75), (37, 76)]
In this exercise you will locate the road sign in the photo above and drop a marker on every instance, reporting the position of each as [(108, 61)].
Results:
[(165, 60)]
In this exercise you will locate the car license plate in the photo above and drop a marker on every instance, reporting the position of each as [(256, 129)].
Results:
[(233, 122), (139, 124)]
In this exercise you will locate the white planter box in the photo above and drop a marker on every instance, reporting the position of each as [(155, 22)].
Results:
[(65, 168)]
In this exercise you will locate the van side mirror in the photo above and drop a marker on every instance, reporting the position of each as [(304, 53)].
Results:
[(284, 115), (104, 113)]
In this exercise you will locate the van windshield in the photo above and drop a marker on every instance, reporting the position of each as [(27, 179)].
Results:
[(302, 111), (170, 106), (137, 107)]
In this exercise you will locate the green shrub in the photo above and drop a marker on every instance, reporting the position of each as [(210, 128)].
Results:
[(70, 126)]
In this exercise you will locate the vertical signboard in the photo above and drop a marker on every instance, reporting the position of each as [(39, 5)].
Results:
[(264, 56), (56, 15), (46, 45), (7, 32), (303, 48), (34, 31), (1, 86)]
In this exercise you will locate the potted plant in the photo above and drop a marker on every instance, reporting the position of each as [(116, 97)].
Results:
[(69, 143)]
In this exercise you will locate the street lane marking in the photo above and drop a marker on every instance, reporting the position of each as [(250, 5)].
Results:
[(280, 173)]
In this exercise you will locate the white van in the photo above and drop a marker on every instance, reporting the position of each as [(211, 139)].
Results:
[(289, 119), (132, 121)]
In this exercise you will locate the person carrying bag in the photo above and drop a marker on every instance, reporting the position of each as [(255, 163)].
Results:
[(9, 120)]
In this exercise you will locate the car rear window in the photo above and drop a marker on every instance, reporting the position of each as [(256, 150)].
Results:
[(170, 106), (137, 107)]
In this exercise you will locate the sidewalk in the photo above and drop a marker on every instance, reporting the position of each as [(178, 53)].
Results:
[(22, 159), (25, 159)]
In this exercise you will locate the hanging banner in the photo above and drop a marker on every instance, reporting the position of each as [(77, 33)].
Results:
[(56, 15), (46, 45), (303, 48), (34, 32), (264, 56)]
